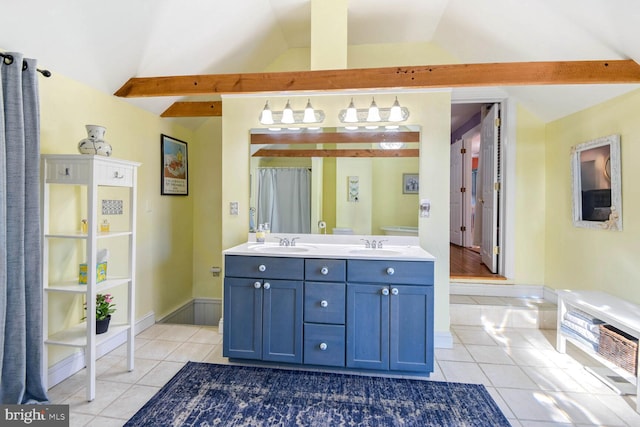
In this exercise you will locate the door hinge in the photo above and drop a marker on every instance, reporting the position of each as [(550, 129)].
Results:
[(496, 186), (498, 122), (496, 250), (463, 150), (463, 228), (463, 189)]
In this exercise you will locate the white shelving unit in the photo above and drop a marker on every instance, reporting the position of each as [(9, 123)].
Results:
[(91, 172), (614, 311)]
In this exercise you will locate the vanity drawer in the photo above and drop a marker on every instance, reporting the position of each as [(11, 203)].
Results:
[(391, 272), (262, 267), (330, 270), (115, 175), (66, 172), (324, 345), (324, 302)]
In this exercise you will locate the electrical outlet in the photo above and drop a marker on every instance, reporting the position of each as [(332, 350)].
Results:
[(112, 207), (233, 208)]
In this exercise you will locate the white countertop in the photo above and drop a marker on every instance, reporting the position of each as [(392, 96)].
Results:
[(401, 248)]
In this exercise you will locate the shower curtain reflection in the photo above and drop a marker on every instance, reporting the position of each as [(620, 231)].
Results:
[(284, 199)]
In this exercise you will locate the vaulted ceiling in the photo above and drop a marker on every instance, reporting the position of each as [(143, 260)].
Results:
[(104, 43)]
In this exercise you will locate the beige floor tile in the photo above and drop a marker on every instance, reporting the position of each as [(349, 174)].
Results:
[(120, 372), (508, 376), (458, 353), (105, 422), (533, 357), (106, 394), (206, 336), (161, 373), (130, 402), (473, 335), (489, 354), (533, 405), (177, 333), (553, 379), (463, 372), (586, 408), (189, 352), (157, 349)]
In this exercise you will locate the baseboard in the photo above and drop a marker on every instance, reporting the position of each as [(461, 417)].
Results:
[(199, 311), (62, 370), (442, 339)]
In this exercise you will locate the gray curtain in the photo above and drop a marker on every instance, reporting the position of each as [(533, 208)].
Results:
[(21, 343), (284, 199)]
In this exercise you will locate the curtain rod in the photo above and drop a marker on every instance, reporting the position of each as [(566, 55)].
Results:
[(8, 59)]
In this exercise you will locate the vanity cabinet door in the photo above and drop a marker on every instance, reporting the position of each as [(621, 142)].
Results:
[(243, 302), (367, 326), (411, 328), (282, 321)]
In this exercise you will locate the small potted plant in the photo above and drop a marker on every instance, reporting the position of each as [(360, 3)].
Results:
[(104, 308)]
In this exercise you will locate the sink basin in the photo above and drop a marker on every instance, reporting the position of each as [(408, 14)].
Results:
[(375, 252), (280, 249)]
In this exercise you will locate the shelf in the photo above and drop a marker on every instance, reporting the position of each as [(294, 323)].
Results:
[(78, 235), (73, 287), (629, 377), (76, 336)]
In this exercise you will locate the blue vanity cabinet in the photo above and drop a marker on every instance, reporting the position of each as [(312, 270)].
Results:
[(263, 306), (390, 315), (324, 312)]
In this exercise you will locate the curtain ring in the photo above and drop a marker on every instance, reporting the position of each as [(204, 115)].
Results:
[(8, 59), (25, 66)]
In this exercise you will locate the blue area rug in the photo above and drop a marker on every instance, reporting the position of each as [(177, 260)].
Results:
[(203, 394)]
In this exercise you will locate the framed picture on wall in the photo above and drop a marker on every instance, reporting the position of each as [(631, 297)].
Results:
[(410, 183), (174, 180)]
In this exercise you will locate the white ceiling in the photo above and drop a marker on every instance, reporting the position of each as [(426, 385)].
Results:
[(104, 43)]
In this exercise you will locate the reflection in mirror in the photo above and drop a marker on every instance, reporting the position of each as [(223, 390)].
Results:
[(356, 185), (596, 184)]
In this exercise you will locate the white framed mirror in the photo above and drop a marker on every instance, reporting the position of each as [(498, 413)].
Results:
[(597, 195)]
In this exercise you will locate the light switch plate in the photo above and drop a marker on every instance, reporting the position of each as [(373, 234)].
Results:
[(233, 208)]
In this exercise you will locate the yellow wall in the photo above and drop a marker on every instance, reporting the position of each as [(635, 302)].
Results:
[(390, 205), (165, 224), (530, 204), (586, 258)]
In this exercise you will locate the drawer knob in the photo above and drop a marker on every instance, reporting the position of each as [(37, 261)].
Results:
[(324, 271), (385, 291), (390, 271), (323, 346), (262, 267), (394, 291), (257, 285), (324, 304), (267, 285)]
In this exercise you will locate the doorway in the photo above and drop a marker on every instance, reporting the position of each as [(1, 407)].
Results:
[(475, 183)]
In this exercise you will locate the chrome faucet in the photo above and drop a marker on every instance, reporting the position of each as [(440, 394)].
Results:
[(380, 243), (367, 243), (284, 241), (293, 241)]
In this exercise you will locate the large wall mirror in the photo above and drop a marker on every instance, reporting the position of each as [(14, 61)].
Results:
[(597, 199), (350, 180)]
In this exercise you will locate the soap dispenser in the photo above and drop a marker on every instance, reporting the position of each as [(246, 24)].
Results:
[(260, 234)]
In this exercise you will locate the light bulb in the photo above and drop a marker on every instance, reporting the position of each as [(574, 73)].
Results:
[(395, 115), (266, 118), (287, 114), (374, 112), (309, 113), (352, 114)]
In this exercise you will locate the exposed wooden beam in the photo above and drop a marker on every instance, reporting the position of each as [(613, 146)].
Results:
[(411, 152), (194, 109), (431, 76), (333, 137)]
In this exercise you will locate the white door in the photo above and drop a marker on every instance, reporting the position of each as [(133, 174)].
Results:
[(455, 194), (488, 174)]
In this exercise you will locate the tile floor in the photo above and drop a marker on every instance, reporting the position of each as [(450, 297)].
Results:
[(532, 383)]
